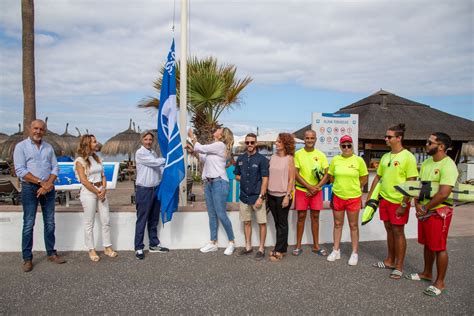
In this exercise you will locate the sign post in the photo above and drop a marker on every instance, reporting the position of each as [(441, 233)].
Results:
[(331, 127)]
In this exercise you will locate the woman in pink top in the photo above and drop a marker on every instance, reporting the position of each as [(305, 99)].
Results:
[(280, 188)]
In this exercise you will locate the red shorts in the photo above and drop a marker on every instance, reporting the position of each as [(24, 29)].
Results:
[(388, 210), (350, 205), (433, 232), (303, 202)]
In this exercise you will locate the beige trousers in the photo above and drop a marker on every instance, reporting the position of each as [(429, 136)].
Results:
[(91, 204)]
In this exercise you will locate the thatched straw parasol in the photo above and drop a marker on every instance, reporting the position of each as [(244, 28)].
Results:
[(8, 145), (3, 137), (125, 143), (467, 150), (69, 142)]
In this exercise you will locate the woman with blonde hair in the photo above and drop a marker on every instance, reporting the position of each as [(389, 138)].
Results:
[(216, 183), (281, 182), (90, 171)]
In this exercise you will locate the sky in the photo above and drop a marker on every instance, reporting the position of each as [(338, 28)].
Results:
[(96, 60)]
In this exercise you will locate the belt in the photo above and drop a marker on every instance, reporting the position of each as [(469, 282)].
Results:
[(146, 188), (97, 184), (212, 179)]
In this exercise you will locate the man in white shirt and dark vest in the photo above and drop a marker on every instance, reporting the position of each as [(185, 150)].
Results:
[(148, 207)]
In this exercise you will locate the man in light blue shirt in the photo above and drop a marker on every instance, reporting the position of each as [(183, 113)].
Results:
[(149, 172), (37, 168)]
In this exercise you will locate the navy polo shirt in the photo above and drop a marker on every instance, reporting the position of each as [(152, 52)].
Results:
[(251, 170)]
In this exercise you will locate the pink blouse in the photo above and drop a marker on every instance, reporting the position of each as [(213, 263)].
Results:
[(278, 179)]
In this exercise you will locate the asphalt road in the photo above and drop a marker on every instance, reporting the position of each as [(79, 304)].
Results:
[(188, 282)]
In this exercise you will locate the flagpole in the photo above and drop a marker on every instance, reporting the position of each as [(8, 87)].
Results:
[(183, 116)]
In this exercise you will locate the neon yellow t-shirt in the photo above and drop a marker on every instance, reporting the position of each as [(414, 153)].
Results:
[(444, 172), (395, 169), (311, 166), (346, 173)]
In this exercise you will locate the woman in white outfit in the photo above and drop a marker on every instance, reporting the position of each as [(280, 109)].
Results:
[(216, 184), (90, 171)]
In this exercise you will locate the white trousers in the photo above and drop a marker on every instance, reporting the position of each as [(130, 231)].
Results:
[(91, 204)]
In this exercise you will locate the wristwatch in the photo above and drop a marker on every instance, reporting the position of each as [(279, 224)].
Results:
[(38, 182), (261, 196), (404, 204)]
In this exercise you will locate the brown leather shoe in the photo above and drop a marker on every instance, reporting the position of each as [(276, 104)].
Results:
[(27, 265), (56, 259)]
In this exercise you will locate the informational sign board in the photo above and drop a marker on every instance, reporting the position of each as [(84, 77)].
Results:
[(67, 180), (331, 127)]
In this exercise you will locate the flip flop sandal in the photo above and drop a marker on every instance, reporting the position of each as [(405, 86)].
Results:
[(320, 252), (297, 251), (433, 291), (396, 274), (381, 265), (415, 277)]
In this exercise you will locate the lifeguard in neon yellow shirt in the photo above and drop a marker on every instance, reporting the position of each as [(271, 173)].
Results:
[(348, 173), (395, 167)]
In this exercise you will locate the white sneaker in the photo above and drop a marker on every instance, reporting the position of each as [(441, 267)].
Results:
[(230, 249), (334, 255), (353, 259), (209, 248)]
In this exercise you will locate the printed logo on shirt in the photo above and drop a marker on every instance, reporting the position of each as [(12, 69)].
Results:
[(436, 171), (316, 158), (352, 167), (396, 163), (254, 165)]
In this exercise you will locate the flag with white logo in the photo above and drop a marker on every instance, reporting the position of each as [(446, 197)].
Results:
[(170, 141)]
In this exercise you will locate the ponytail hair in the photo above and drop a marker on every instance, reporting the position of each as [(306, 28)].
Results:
[(399, 130)]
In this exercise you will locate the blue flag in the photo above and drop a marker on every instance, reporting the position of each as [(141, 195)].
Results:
[(170, 141)]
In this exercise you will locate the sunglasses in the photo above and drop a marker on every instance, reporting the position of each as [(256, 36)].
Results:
[(349, 146), (429, 143), (250, 143), (390, 136)]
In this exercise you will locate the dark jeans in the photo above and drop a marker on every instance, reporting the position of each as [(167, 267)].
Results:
[(148, 214), (30, 207), (280, 216)]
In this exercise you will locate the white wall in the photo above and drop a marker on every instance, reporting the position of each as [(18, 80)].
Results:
[(187, 230)]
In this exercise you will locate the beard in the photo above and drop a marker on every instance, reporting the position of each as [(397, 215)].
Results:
[(432, 151)]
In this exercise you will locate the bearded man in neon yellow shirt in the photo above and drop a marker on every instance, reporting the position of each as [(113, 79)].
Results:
[(435, 214)]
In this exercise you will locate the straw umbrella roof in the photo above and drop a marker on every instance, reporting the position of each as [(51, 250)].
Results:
[(3, 136), (69, 142), (125, 143), (8, 145), (383, 109)]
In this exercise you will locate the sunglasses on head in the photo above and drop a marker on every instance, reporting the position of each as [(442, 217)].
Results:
[(346, 146), (249, 142), (390, 136)]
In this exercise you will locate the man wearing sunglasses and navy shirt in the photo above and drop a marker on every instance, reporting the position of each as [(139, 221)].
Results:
[(252, 170), (395, 167)]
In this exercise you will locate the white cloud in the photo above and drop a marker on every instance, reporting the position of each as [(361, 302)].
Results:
[(88, 48)]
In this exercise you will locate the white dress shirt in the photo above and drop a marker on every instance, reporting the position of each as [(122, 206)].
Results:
[(214, 158), (149, 167)]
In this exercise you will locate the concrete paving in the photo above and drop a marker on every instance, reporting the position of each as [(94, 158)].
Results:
[(189, 282)]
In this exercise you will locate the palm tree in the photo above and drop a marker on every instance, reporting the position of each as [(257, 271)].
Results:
[(212, 88), (28, 44)]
